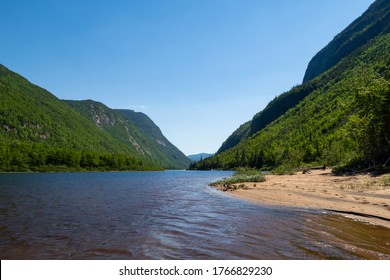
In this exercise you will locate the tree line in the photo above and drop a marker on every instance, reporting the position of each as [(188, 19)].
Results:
[(18, 157)]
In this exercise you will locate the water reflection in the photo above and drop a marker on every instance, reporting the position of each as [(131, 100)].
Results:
[(165, 215)]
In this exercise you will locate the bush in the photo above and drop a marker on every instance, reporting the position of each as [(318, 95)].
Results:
[(284, 170), (240, 176)]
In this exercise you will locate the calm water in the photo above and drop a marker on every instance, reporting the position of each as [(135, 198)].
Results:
[(165, 215)]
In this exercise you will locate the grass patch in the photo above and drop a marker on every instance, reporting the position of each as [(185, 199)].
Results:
[(241, 175), (385, 181), (362, 187), (284, 170), (371, 185)]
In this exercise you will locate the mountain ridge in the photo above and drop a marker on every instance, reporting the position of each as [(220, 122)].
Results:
[(376, 17), (135, 129), (373, 22), (352, 96), (40, 132)]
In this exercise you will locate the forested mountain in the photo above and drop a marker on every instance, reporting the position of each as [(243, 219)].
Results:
[(40, 132), (166, 151), (136, 130), (375, 21), (241, 133), (340, 117)]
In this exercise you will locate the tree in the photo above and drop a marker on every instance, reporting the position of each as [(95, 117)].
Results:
[(371, 123)]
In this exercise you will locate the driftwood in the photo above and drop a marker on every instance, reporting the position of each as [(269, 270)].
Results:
[(375, 169), (386, 162), (365, 170), (306, 170)]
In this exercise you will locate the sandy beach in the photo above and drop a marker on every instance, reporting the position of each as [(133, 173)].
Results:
[(363, 197)]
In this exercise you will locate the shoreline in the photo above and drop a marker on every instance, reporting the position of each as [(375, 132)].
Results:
[(362, 197)]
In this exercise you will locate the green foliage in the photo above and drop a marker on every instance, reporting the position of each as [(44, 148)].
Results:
[(385, 181), (343, 117), (373, 22), (136, 130), (285, 169), (166, 153), (39, 132), (280, 105), (19, 157), (241, 133), (371, 123), (242, 175)]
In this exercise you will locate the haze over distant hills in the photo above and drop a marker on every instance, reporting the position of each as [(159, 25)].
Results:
[(199, 156), (38, 131), (340, 115)]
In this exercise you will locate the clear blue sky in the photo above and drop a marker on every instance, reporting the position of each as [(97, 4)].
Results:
[(198, 68)]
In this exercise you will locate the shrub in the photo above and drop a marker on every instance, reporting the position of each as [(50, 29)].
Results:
[(240, 176)]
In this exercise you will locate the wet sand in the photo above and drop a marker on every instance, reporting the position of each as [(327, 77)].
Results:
[(362, 197)]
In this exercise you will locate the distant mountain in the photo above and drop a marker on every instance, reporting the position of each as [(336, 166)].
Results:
[(341, 116), (166, 151), (200, 156), (144, 123), (40, 132), (134, 129), (375, 21)]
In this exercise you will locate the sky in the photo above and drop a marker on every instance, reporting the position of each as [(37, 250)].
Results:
[(198, 68)]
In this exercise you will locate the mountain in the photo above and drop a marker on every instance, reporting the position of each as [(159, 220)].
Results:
[(40, 132), (134, 129), (167, 151), (241, 133), (199, 156), (375, 21), (339, 117)]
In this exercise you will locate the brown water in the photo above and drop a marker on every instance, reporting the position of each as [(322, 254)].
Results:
[(165, 215)]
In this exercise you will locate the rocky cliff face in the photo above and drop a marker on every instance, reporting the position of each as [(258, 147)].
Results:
[(39, 132), (136, 130), (355, 61), (375, 21), (148, 127)]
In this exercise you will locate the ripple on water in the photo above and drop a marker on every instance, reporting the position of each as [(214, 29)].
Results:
[(165, 215)]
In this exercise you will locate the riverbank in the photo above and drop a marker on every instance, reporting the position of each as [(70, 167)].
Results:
[(363, 197)]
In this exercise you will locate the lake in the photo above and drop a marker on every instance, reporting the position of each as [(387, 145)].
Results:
[(166, 215)]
